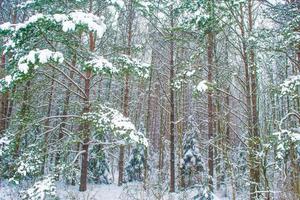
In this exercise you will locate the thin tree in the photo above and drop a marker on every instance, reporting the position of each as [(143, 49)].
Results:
[(126, 92)]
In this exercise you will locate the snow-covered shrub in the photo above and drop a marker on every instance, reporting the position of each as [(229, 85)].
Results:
[(290, 85), (4, 142), (98, 166), (28, 164), (41, 189), (135, 166), (191, 163), (285, 139), (204, 193)]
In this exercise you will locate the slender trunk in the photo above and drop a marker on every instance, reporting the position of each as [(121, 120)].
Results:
[(210, 47), (172, 111), (219, 162), (161, 143), (64, 113), (47, 123), (10, 106), (147, 129), (126, 94), (23, 116), (86, 126), (250, 82), (4, 102), (255, 137)]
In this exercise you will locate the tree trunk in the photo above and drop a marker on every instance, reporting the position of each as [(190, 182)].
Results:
[(64, 113), (147, 128), (172, 111), (255, 137), (4, 101), (126, 94), (47, 123), (86, 126), (210, 48)]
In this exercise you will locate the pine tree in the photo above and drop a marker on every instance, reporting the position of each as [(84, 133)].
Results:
[(98, 166), (191, 163), (135, 166)]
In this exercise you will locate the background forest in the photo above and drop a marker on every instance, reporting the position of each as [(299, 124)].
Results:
[(150, 99)]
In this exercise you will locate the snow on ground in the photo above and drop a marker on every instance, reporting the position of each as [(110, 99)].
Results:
[(133, 191), (95, 192)]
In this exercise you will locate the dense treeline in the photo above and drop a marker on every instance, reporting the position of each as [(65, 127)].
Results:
[(190, 95)]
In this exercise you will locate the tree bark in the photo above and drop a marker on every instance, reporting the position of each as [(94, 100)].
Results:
[(172, 108), (210, 46), (4, 102), (210, 62), (126, 94), (255, 136), (86, 126), (47, 123)]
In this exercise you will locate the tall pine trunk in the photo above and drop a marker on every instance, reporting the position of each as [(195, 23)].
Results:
[(210, 55), (172, 107), (86, 126), (4, 101), (126, 94), (255, 136)]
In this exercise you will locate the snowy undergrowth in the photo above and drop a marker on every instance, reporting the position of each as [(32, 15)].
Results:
[(131, 191)]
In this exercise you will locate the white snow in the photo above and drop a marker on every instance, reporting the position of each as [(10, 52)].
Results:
[(40, 189), (100, 64), (31, 19), (8, 79), (290, 84), (93, 22), (135, 65), (30, 57), (35, 58), (4, 141), (112, 119), (44, 55), (60, 17), (190, 73), (120, 3), (23, 67), (295, 136), (95, 192), (202, 86), (6, 26), (68, 22), (26, 3), (68, 26), (38, 56)]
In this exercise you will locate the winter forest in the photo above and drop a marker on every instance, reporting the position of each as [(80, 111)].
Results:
[(150, 99)]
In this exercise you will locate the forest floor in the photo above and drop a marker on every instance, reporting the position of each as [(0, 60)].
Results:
[(133, 191)]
